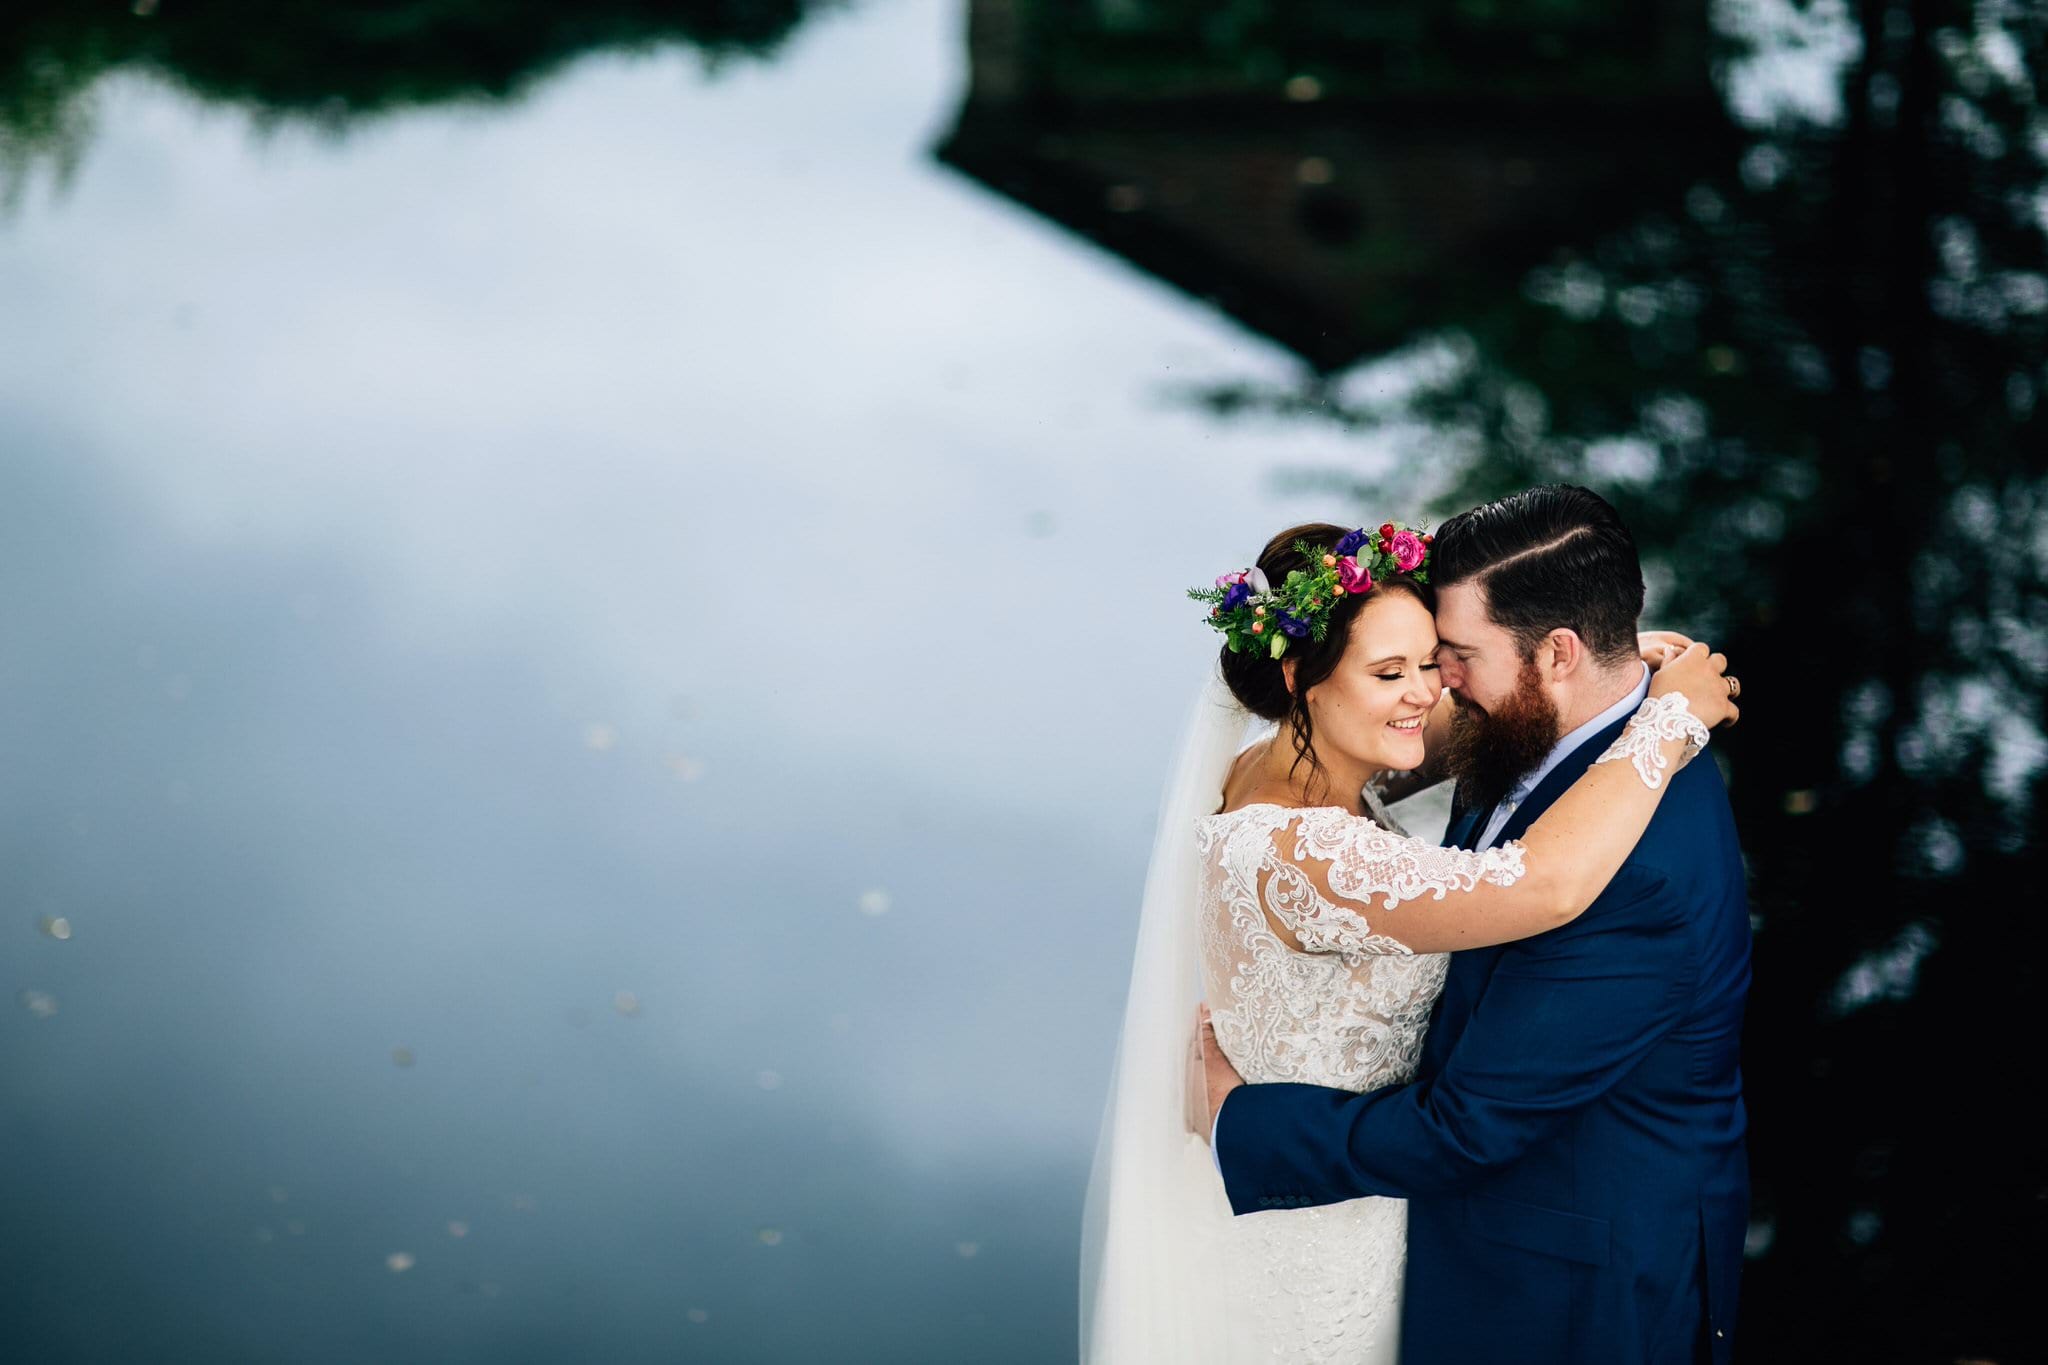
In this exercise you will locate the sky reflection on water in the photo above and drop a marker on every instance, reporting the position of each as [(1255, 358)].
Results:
[(479, 564)]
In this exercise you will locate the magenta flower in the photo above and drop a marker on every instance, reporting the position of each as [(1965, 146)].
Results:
[(1408, 550), (1353, 576)]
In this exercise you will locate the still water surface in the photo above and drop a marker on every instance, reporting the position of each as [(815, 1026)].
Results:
[(593, 618)]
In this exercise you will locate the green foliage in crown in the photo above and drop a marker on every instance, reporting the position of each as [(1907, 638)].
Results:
[(1253, 615)]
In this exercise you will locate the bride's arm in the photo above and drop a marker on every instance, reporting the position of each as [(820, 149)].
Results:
[(1415, 897)]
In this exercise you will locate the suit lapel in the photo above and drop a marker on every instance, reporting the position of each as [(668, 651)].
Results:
[(1569, 769), (1464, 827), (1472, 969)]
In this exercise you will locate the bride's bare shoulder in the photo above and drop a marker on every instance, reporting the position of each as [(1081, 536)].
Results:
[(1246, 783), (1252, 782)]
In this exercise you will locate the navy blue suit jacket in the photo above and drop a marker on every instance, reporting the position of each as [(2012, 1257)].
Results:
[(1572, 1147)]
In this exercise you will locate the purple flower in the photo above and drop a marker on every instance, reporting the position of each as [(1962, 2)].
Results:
[(1236, 595), (1350, 543), (1293, 625)]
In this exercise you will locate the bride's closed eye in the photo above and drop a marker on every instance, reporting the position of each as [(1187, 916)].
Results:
[(1396, 677)]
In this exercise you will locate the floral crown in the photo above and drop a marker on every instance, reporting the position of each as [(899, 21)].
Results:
[(1254, 615)]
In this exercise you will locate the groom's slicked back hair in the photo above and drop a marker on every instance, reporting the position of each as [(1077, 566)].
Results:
[(1554, 556)]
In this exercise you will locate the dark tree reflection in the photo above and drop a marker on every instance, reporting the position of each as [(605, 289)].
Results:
[(332, 62), (1803, 346)]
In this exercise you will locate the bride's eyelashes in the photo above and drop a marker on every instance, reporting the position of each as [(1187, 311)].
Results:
[(1396, 677)]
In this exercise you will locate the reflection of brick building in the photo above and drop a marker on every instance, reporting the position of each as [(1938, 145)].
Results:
[(1337, 201)]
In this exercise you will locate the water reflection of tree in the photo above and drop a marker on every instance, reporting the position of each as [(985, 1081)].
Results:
[(1802, 344), (332, 61), (1813, 383)]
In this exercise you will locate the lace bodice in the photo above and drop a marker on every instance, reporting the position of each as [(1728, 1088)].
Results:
[(1348, 1009)]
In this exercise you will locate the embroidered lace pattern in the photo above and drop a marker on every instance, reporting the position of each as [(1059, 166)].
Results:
[(1656, 720), (1323, 1284)]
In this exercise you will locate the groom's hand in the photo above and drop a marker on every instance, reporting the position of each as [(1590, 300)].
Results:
[(1219, 1077)]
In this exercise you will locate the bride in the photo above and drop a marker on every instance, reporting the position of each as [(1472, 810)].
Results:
[(1317, 930)]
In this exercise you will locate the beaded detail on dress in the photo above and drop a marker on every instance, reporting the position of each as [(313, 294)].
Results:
[(1323, 1284)]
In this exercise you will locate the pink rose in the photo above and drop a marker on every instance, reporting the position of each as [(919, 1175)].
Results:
[(1407, 549), (1353, 576)]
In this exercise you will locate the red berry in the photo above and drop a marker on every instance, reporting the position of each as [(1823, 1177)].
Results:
[(1387, 529)]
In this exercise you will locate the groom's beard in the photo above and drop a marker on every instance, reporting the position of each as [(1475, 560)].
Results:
[(1489, 751)]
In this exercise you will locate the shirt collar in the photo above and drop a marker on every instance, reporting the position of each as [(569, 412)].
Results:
[(1564, 746)]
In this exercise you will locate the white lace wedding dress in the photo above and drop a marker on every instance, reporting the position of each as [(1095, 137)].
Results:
[(1321, 1284)]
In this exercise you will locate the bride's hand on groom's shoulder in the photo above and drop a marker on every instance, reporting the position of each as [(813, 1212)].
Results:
[(1659, 647), (1702, 675)]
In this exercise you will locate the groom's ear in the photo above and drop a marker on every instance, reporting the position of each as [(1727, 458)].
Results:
[(1562, 654)]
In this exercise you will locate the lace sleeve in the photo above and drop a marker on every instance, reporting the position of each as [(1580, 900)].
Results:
[(1330, 868)]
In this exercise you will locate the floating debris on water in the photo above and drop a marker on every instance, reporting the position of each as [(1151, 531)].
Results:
[(398, 1262), (56, 926)]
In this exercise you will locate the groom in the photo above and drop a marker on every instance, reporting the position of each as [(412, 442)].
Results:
[(1572, 1148)]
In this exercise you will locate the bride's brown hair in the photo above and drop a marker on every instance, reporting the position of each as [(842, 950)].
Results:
[(1260, 684)]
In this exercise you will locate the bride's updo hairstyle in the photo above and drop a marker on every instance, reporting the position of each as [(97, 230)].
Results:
[(1260, 683)]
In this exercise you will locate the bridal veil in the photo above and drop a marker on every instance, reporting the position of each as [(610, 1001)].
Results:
[(1156, 1219)]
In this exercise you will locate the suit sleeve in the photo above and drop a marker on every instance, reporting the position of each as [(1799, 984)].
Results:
[(1566, 1015)]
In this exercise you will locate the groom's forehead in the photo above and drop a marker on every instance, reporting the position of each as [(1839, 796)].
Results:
[(1463, 620)]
